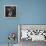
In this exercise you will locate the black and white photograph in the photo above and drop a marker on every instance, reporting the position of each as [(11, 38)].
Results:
[(10, 11)]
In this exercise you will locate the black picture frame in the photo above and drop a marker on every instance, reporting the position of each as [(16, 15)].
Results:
[(10, 10)]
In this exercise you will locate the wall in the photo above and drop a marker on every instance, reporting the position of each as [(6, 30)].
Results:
[(7, 25), (33, 12)]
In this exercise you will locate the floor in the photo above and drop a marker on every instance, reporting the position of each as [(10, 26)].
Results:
[(7, 45), (30, 43)]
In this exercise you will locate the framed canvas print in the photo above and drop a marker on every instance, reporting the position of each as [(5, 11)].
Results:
[(32, 32)]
